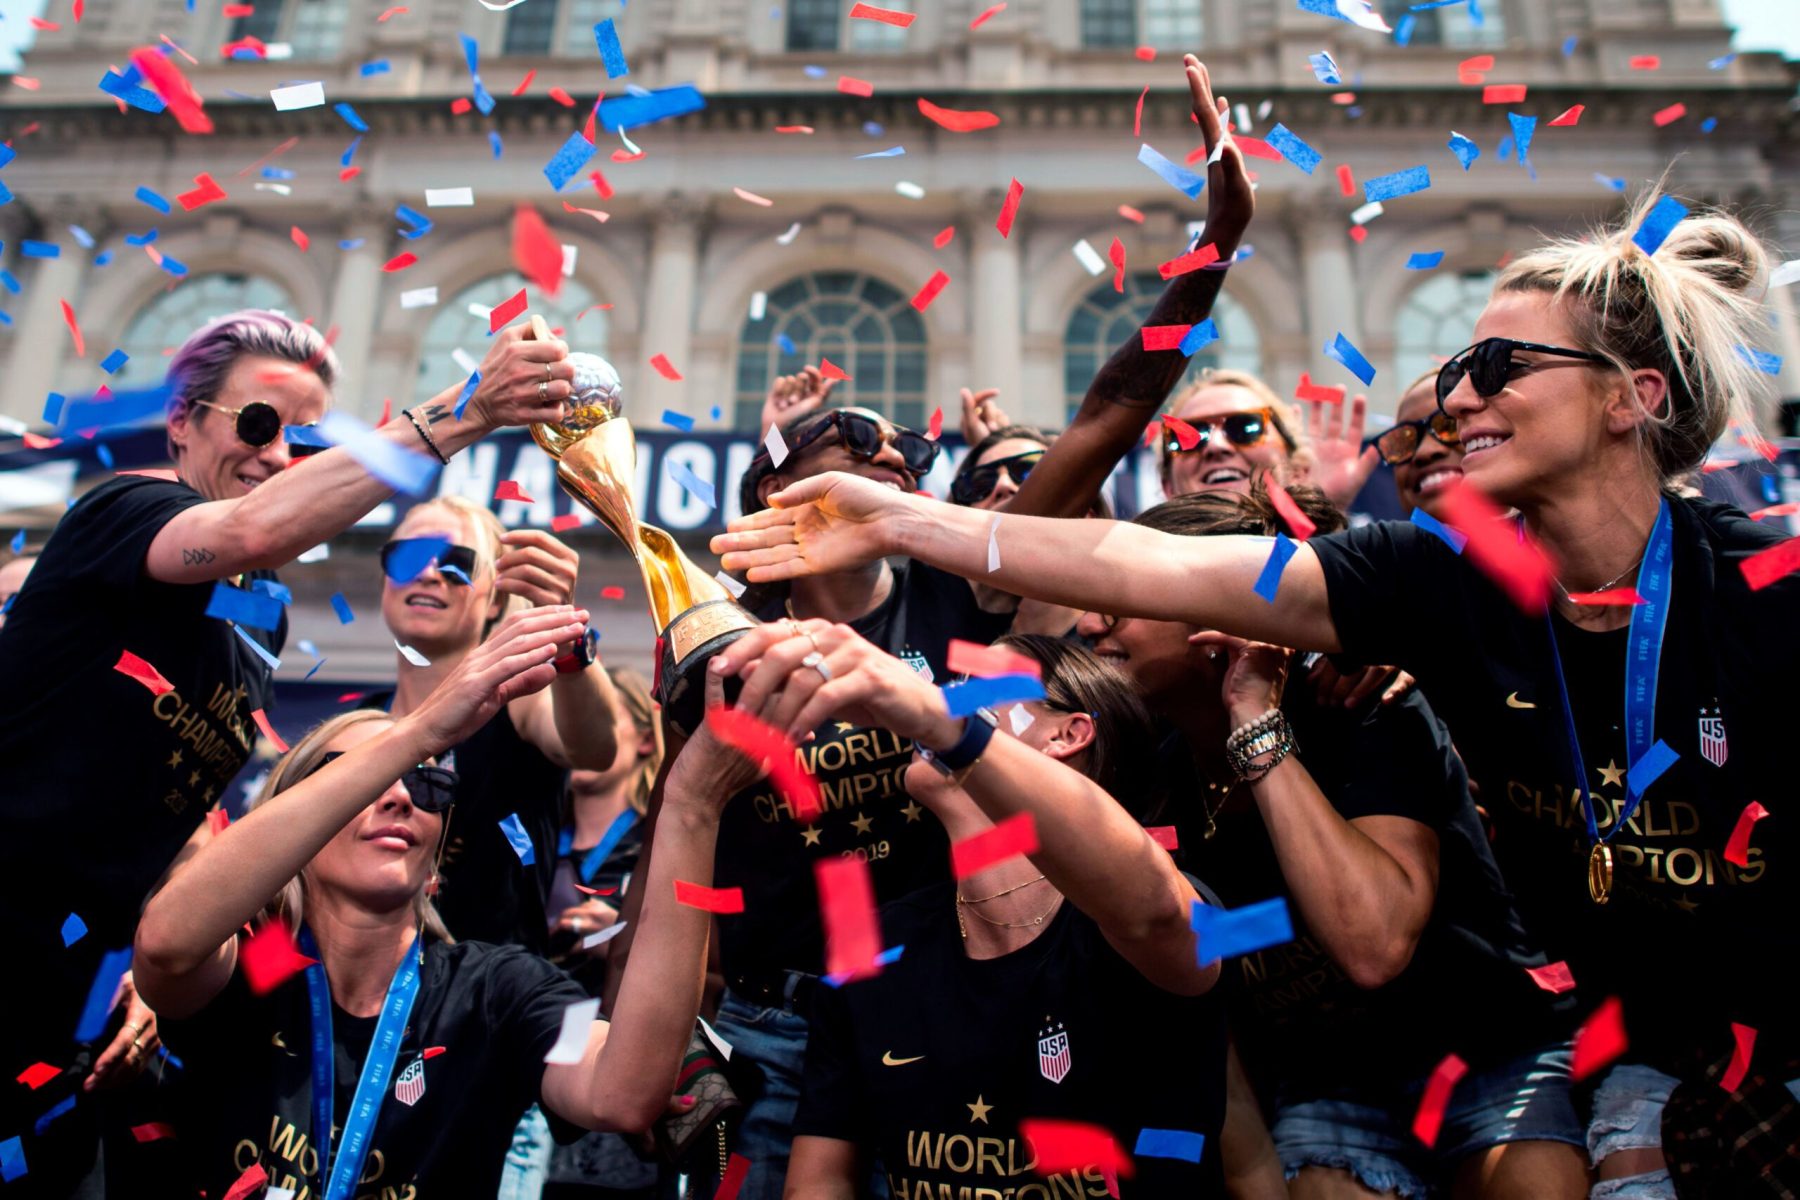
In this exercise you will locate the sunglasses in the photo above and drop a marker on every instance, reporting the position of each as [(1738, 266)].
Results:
[(431, 789), (455, 563), (863, 437), (978, 483), (1488, 365), (258, 424), (1240, 429), (1398, 445)]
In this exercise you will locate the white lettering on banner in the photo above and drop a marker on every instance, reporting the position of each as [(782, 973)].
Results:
[(532, 471), (680, 508), (737, 461)]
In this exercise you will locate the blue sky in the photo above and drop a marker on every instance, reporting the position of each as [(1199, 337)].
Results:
[(1762, 25)]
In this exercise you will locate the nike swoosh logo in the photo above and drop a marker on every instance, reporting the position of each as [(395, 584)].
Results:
[(888, 1060), (1513, 701)]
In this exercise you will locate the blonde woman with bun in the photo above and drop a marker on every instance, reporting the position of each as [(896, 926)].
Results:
[(1600, 374)]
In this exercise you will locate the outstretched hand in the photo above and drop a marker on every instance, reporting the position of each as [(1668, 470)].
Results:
[(515, 661), (981, 415), (1230, 200), (818, 526), (1341, 464), (793, 396)]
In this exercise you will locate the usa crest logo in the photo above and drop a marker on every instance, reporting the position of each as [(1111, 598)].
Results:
[(1712, 735), (1053, 1053), (410, 1086)]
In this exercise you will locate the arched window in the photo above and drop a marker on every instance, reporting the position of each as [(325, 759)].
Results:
[(1128, 24), (860, 323), (312, 29), (556, 26), (457, 338), (1467, 23), (1437, 320), (1105, 319), (154, 332)]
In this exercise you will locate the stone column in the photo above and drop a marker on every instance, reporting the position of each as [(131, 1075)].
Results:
[(1330, 298), (356, 298), (996, 316), (41, 343), (669, 307)]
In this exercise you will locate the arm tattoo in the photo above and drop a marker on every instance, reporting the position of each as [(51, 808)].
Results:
[(432, 414), (197, 557)]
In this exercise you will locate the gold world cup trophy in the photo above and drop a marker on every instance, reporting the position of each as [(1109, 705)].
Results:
[(596, 463)]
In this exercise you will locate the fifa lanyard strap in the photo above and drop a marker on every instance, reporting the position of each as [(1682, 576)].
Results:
[(592, 860), (341, 1170), (1643, 657)]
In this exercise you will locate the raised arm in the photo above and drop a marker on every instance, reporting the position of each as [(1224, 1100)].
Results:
[(186, 942), (330, 491)]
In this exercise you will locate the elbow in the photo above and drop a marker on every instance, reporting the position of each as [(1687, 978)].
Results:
[(1379, 964), (253, 545), (628, 1115)]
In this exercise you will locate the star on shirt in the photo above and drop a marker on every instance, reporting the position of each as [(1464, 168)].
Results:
[(175, 759), (1684, 904), (978, 1111), (194, 779), (862, 823), (845, 726), (811, 835), (1611, 775), (912, 810)]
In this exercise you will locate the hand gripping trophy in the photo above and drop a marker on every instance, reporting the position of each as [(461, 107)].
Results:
[(596, 461)]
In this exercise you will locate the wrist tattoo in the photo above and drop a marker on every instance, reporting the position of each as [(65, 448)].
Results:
[(197, 557), (432, 414)]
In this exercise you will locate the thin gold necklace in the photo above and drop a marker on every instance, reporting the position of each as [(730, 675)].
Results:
[(1033, 922)]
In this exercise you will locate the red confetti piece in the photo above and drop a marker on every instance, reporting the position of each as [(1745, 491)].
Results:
[(233, 11), (604, 188), (217, 821), (926, 294), (793, 129), (1010, 838), (1009, 208), (621, 156), (1766, 566), (1745, 1037), (300, 238), (400, 10), (1481, 62), (37, 1075), (1164, 337), (972, 658), (1115, 254), (1164, 836), (37, 441), (934, 428), (1776, 510), (503, 314), (561, 97), (1737, 848), (852, 86), (136, 668), (1186, 436), (755, 739), (79, 7), (1555, 978), (1308, 390), (1669, 115), (1131, 214), (510, 490), (1359, 234), (1346, 179), (665, 368), (1625, 597), (153, 1132), (74, 329), (1571, 116), (1503, 93), (613, 592), (461, 105), (599, 216), (400, 261), (737, 1168), (1644, 62), (348, 173), (847, 910), (1145, 53), (206, 191), (1061, 1146), (1255, 147), (1137, 119), (1205, 256), (958, 120), (255, 46), (535, 250), (944, 236), (712, 900), (1600, 1040), (167, 81), (525, 82), (831, 370), (1300, 526), (987, 16), (887, 16), (262, 722), (564, 523), (269, 957), (588, 891), (1508, 556), (1430, 1117), (251, 1180), (431, 1052)]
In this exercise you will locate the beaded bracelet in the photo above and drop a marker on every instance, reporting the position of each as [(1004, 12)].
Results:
[(425, 436)]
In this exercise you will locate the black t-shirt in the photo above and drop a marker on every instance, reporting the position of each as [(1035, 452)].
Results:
[(494, 1010), (1301, 1024), (930, 1065), (867, 812), (1689, 941)]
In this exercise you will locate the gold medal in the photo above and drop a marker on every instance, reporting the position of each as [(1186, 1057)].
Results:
[(1599, 872)]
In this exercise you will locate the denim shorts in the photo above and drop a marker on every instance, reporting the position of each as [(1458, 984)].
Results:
[(1369, 1134), (1627, 1115)]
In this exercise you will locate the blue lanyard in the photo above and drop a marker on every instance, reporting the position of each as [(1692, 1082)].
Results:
[(1643, 657), (371, 1089), (591, 861)]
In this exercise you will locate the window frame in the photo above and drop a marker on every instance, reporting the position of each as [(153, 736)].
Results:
[(1140, 29), (1128, 312), (284, 29), (1413, 358), (188, 307), (569, 37), (573, 300)]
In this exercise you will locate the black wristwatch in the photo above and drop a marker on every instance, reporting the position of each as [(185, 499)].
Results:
[(978, 731), (580, 657)]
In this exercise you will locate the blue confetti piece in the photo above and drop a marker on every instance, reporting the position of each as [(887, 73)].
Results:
[(1437, 529), (520, 841), (628, 112), (1170, 1143), (377, 67), (874, 128), (18, 542), (1431, 4), (104, 453), (283, 172), (1290, 147), (12, 1156), (1720, 63), (611, 53), (1523, 128), (421, 224), (1465, 150), (1400, 183), (11, 284), (1569, 44), (1424, 260), (125, 87), (123, 408), (1324, 8), (484, 100), (1226, 933), (31, 249), (677, 420), (1475, 15), (174, 266), (313, 670), (410, 556), (100, 995), (140, 239), (1199, 337), (399, 469), (53, 406), (786, 343), (1176, 176), (1648, 769), (1607, 181), (494, 141), (1659, 222), (83, 236), (701, 490), (962, 699), (886, 958), (351, 117), (890, 152), (245, 608), (304, 435), (1762, 360), (6, 194), (573, 156), (7, 154), (1708, 125), (349, 152), (1324, 68), (350, 243), (66, 1104), (717, 412), (1270, 579), (73, 929), (1341, 350), (341, 607), (112, 362), (813, 71), (471, 52), (1403, 29), (280, 592), (468, 392)]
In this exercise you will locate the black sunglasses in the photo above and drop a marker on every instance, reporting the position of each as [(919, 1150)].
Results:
[(978, 483), (258, 424), (1488, 365), (455, 563), (863, 436), (1398, 445), (431, 789), (1240, 429)]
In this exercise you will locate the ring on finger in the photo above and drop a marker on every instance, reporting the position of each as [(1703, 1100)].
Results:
[(547, 375), (816, 661), (543, 389)]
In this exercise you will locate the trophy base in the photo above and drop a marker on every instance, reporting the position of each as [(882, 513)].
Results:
[(691, 639)]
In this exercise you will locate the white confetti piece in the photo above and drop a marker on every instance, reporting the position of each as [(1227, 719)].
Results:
[(301, 95), (910, 190), (318, 553), (502, 7), (457, 197), (1243, 118), (605, 935), (759, 306), (787, 239), (731, 585), (777, 447), (629, 144), (569, 260), (279, 1193), (994, 544), (571, 1043), (278, 51), (1089, 257), (1367, 212), (280, 189), (423, 297), (719, 1043), (1021, 719), (1785, 274), (412, 656)]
